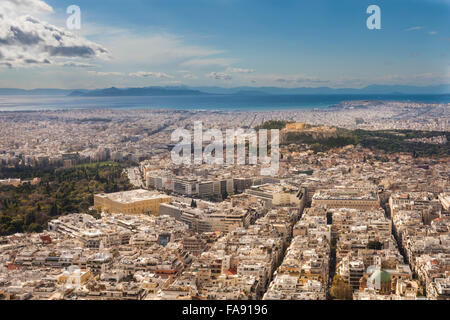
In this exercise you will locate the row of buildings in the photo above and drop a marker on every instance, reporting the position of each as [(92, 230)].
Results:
[(115, 257), (304, 272), (422, 225)]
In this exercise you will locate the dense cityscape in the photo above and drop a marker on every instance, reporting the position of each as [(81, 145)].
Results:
[(224, 159), (347, 223), (69, 136)]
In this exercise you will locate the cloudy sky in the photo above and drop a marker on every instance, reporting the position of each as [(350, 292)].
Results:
[(223, 43)]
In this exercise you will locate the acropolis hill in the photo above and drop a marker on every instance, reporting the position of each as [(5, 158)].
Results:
[(298, 128)]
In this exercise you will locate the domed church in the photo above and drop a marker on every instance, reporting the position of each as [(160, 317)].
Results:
[(380, 281)]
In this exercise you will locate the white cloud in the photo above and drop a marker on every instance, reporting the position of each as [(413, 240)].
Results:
[(220, 62), (17, 7), (153, 49), (288, 80), (239, 70), (414, 28), (76, 64), (219, 76), (188, 75), (147, 74), (432, 33), (26, 40), (102, 74)]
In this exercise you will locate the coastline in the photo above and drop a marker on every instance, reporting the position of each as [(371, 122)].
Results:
[(230, 103)]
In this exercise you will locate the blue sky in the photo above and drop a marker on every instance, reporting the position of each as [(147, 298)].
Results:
[(239, 42)]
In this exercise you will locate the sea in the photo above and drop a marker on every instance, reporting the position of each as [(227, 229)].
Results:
[(202, 102)]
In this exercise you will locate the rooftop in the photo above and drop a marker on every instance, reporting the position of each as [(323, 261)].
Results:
[(132, 196)]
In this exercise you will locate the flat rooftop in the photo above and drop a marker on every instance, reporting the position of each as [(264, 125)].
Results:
[(274, 188), (342, 194), (132, 196)]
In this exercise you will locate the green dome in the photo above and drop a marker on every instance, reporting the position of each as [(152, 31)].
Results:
[(380, 276)]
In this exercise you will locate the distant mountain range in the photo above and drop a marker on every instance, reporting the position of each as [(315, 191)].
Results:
[(185, 90), (36, 92), (147, 91), (372, 89)]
